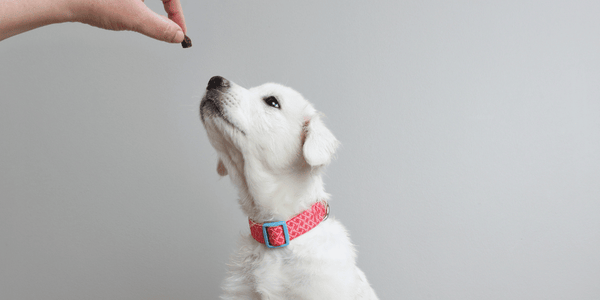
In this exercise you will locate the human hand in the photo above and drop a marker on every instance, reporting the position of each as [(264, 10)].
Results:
[(132, 15), (18, 16)]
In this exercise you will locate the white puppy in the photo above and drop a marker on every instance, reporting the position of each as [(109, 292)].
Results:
[(273, 145)]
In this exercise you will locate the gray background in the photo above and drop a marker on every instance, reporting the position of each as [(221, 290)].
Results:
[(470, 166)]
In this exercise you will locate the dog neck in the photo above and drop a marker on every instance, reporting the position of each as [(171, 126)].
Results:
[(265, 196)]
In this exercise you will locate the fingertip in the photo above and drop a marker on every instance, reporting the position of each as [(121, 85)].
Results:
[(179, 37)]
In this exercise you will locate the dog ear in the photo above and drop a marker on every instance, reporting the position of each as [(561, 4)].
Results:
[(221, 168), (319, 142)]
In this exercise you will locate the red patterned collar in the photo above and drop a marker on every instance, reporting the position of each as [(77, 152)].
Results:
[(281, 233)]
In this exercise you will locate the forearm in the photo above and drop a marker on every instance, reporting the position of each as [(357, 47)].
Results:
[(17, 16)]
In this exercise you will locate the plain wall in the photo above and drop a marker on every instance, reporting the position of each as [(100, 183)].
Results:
[(470, 166)]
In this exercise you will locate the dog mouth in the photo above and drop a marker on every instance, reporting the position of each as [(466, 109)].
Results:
[(209, 107), (212, 108)]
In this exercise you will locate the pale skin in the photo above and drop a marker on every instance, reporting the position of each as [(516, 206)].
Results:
[(18, 16)]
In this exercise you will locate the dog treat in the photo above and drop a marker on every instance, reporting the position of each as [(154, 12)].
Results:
[(187, 42)]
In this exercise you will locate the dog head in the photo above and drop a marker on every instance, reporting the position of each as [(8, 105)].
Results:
[(270, 140)]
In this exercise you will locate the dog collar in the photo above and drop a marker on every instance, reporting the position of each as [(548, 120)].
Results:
[(279, 234)]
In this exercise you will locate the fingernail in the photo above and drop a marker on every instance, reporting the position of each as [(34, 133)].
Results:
[(187, 42)]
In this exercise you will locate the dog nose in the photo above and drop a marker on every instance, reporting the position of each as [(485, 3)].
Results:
[(218, 83)]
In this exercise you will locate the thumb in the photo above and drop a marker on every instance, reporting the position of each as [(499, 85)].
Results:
[(159, 27)]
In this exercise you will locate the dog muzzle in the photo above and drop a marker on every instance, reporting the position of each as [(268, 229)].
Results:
[(279, 234)]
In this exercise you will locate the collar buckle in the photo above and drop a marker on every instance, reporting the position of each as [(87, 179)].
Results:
[(286, 234)]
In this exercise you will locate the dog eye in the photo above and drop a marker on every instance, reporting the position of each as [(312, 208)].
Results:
[(272, 101)]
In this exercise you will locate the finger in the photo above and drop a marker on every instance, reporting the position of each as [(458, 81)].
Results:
[(175, 13), (159, 27)]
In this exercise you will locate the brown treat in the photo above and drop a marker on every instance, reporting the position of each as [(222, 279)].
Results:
[(187, 42)]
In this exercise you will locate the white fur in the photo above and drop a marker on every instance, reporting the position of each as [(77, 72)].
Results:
[(275, 156)]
